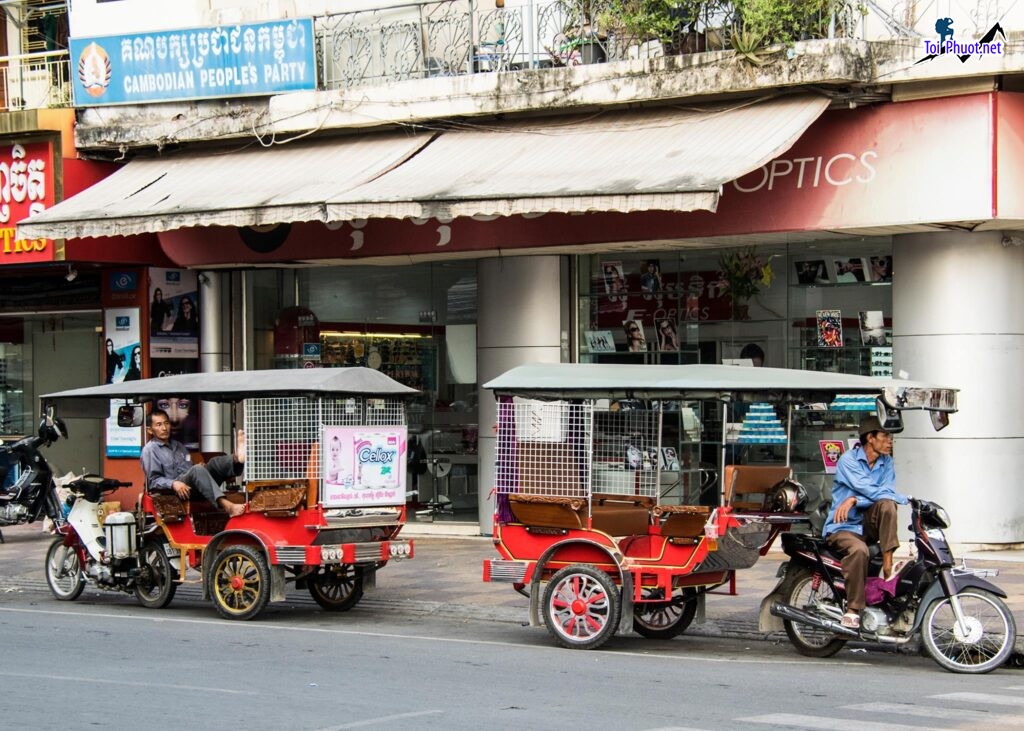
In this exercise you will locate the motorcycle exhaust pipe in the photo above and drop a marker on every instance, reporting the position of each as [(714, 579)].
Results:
[(798, 615)]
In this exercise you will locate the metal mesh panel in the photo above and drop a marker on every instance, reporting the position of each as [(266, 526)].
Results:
[(627, 446), (280, 432), (544, 447)]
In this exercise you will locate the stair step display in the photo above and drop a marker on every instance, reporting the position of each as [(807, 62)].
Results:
[(761, 426), (852, 402)]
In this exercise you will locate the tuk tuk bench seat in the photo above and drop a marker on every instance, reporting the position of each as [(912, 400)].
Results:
[(616, 515), (621, 515), (682, 523), (548, 511)]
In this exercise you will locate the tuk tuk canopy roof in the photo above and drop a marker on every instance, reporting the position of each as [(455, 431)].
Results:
[(584, 380), (230, 386)]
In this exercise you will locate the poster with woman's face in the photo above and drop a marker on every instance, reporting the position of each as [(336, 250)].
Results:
[(122, 361)]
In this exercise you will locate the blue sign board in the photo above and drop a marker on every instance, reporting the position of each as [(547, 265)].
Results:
[(197, 63)]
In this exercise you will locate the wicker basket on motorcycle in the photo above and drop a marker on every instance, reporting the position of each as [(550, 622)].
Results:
[(739, 548)]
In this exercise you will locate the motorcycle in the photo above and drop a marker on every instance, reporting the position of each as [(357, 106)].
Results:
[(964, 624), (124, 552), (34, 493)]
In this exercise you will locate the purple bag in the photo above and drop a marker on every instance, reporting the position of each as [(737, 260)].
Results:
[(877, 589)]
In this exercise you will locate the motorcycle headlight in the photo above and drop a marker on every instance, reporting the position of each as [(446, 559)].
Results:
[(941, 516)]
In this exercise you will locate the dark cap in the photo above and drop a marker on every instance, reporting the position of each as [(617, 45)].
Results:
[(869, 425)]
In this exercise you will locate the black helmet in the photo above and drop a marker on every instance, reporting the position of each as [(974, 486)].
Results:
[(786, 496)]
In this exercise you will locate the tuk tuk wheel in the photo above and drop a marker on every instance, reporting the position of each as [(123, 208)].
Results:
[(665, 620), (240, 582), (337, 588), (64, 571), (155, 587), (581, 607)]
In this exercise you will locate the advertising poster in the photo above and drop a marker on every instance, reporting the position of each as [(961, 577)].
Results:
[(830, 328), (174, 344), (831, 451), (173, 314), (363, 466), (122, 361)]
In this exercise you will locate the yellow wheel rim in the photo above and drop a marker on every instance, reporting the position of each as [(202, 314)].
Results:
[(237, 583)]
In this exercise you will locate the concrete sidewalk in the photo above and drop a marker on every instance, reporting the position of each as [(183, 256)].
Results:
[(445, 579)]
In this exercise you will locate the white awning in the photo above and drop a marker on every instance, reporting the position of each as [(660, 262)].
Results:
[(253, 186), (664, 159), (660, 159)]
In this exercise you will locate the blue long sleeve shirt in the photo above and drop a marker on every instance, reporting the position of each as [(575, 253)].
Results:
[(855, 478)]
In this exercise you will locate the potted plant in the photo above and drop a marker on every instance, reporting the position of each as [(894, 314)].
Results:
[(672, 23), (744, 273)]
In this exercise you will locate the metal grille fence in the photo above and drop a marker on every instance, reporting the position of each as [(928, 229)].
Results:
[(570, 449), (280, 432), (627, 450), (544, 447)]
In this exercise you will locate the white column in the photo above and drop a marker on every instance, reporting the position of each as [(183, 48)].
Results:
[(213, 357), (958, 320), (519, 320)]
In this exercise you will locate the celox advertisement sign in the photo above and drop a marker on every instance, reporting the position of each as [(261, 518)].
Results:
[(26, 187), (195, 63), (363, 466)]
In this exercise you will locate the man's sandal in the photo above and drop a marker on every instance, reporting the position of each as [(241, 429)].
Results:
[(850, 620)]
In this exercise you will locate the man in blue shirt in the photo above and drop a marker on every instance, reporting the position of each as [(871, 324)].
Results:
[(863, 511), (169, 469)]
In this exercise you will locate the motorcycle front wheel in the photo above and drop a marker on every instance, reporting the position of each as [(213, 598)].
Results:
[(981, 643), (810, 641), (64, 571)]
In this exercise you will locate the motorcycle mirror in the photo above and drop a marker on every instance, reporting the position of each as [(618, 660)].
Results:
[(940, 419), (891, 419), (128, 415)]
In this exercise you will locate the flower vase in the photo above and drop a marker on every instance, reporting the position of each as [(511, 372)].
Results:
[(740, 310)]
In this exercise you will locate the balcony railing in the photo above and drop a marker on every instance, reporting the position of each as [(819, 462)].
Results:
[(455, 37), (35, 81)]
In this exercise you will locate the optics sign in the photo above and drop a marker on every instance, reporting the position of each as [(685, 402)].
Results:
[(26, 188), (197, 63), (363, 466)]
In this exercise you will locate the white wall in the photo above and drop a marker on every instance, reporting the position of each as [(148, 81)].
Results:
[(519, 320)]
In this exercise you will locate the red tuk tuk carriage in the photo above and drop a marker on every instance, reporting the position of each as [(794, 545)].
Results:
[(587, 525), (323, 490)]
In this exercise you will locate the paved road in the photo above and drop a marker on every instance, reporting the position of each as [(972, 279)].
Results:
[(105, 662)]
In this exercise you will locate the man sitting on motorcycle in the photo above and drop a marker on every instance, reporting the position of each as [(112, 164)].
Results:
[(168, 467), (863, 511)]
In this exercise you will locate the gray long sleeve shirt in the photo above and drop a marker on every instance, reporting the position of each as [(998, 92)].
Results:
[(163, 463)]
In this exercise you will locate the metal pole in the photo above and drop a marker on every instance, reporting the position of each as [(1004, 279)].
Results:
[(721, 461), (789, 431)]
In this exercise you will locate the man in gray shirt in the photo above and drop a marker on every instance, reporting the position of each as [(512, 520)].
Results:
[(168, 467)]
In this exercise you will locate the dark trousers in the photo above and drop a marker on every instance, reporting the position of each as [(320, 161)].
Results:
[(879, 527), (206, 480)]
